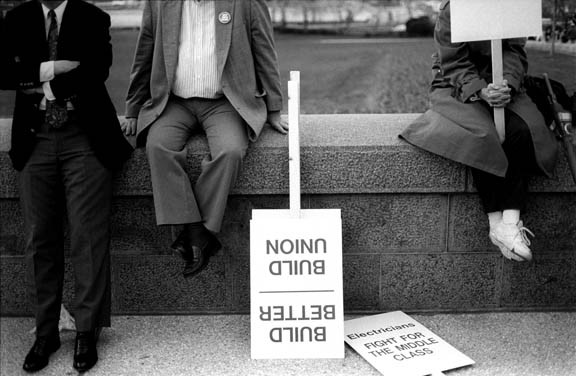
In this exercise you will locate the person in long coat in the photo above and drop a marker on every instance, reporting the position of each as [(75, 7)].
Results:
[(460, 126)]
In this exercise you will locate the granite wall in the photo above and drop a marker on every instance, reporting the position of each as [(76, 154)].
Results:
[(414, 235)]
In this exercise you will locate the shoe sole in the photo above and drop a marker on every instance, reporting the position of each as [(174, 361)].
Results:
[(525, 258), (504, 249), (85, 369)]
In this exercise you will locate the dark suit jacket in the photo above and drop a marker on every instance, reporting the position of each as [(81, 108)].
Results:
[(84, 37)]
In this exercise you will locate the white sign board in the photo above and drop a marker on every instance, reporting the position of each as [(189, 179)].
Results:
[(296, 284), (473, 20), (397, 345)]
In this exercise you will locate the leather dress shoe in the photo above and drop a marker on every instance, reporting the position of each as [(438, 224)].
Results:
[(37, 357), (85, 354), (195, 255)]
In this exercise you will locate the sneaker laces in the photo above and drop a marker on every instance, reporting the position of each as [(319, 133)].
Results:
[(524, 231)]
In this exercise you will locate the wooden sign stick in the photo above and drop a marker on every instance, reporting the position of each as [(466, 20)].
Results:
[(294, 142), (497, 78)]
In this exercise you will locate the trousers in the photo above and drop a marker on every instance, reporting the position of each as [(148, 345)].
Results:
[(509, 192), (62, 176), (176, 200)]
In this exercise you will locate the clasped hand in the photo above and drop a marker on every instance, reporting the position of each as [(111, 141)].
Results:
[(496, 95)]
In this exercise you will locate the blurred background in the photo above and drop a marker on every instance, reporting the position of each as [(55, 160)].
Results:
[(355, 56)]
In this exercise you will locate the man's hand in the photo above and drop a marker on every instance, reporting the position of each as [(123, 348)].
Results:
[(276, 122), (128, 126), (496, 95), (64, 66)]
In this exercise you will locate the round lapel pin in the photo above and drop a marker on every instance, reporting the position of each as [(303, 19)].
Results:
[(224, 17)]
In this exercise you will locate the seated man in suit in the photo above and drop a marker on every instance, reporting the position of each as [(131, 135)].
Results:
[(201, 65), (66, 140)]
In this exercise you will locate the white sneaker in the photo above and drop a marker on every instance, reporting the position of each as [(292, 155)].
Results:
[(512, 240)]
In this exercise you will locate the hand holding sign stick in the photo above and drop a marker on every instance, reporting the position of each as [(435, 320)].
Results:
[(477, 20), (497, 78)]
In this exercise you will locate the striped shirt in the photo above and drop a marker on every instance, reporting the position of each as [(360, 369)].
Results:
[(197, 69)]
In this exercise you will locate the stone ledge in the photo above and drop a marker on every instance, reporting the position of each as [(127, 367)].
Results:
[(414, 235), (340, 154)]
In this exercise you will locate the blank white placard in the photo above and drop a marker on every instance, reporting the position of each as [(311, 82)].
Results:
[(474, 20)]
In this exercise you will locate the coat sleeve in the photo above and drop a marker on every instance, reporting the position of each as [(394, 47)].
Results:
[(454, 59), (515, 62), (264, 54), (139, 88), (94, 65), (14, 72)]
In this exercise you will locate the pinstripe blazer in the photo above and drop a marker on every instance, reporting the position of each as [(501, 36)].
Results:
[(245, 52)]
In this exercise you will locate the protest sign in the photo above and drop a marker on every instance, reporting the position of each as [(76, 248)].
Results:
[(397, 345), (296, 271), (475, 20)]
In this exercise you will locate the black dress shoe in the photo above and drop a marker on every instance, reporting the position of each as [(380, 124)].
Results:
[(195, 252), (40, 352), (85, 354)]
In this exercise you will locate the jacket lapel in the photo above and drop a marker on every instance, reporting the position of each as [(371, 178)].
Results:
[(40, 36), (171, 21), (223, 31), (68, 18)]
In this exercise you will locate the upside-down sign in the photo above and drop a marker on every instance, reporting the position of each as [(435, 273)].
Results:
[(296, 271)]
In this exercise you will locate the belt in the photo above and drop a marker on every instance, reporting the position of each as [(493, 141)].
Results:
[(72, 117)]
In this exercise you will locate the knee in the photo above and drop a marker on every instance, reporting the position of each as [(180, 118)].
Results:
[(523, 133), (155, 146), (519, 133)]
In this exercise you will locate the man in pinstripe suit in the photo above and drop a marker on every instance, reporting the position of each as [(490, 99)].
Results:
[(201, 65)]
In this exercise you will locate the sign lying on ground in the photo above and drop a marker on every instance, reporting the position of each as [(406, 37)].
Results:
[(397, 345), (474, 20), (297, 308)]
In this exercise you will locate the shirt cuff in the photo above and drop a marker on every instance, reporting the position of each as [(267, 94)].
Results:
[(132, 110), (48, 91), (47, 71), (273, 104)]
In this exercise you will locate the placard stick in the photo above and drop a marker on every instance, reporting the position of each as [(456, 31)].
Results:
[(497, 78), (294, 142)]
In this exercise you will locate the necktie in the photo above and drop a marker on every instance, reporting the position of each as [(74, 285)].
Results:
[(56, 113)]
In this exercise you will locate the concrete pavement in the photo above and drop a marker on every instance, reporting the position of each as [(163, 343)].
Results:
[(510, 344)]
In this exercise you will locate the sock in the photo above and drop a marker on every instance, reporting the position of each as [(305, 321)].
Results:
[(198, 233), (494, 218), (511, 216)]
